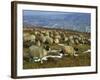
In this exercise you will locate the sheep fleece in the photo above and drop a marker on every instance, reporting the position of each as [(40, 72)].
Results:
[(69, 50), (36, 51)]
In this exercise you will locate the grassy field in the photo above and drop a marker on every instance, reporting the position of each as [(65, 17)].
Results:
[(84, 59), (66, 61)]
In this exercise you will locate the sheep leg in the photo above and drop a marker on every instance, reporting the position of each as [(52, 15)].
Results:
[(41, 61), (37, 60), (43, 58), (34, 59)]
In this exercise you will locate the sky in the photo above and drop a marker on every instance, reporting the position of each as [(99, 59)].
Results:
[(55, 19), (37, 12)]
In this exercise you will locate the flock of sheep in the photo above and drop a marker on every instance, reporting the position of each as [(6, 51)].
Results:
[(40, 44)]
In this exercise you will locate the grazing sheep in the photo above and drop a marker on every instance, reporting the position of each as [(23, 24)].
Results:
[(71, 37), (47, 33), (42, 38), (66, 39), (38, 43), (72, 41), (51, 35), (56, 41), (49, 40), (36, 33), (37, 52), (32, 38), (26, 38), (76, 41), (58, 37), (68, 50)]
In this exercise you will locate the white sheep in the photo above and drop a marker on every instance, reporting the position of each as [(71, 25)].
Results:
[(38, 43), (49, 40), (68, 50), (66, 39), (56, 41), (32, 38), (42, 38), (26, 37), (58, 37)]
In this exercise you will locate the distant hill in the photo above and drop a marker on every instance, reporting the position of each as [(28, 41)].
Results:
[(64, 20)]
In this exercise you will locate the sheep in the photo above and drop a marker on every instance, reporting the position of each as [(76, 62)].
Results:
[(46, 33), (68, 50), (66, 39), (58, 37), (38, 43), (42, 38), (51, 35), (71, 37), (37, 52), (76, 41), (49, 40), (32, 38), (36, 32), (26, 37), (56, 41), (72, 41)]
